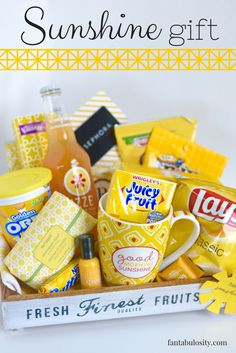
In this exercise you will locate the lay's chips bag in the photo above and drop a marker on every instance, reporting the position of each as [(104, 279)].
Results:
[(214, 206)]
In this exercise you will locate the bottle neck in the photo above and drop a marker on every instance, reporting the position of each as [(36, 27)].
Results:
[(58, 124)]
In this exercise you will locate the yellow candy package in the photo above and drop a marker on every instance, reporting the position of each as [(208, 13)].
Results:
[(176, 177), (214, 206), (134, 197), (133, 138), (169, 151)]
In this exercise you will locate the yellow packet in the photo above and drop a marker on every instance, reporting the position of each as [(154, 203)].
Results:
[(169, 151), (132, 197), (31, 139), (214, 206), (63, 280), (133, 138)]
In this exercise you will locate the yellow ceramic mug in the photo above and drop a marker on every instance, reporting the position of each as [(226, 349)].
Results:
[(132, 253)]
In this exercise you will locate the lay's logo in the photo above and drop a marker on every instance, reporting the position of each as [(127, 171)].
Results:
[(212, 206)]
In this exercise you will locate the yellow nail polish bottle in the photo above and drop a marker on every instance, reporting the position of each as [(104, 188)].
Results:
[(89, 266)]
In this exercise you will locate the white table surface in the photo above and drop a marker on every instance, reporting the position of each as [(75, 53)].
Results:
[(136, 335)]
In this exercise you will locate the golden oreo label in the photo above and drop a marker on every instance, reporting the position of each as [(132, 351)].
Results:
[(212, 206)]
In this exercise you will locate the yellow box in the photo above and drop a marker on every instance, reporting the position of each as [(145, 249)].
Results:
[(183, 268), (169, 151), (133, 138)]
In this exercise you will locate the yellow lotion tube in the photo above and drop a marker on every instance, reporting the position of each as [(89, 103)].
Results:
[(89, 266)]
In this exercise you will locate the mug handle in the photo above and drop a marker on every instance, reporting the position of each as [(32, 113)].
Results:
[(177, 216)]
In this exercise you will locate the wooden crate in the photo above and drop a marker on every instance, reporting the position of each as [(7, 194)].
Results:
[(103, 304)]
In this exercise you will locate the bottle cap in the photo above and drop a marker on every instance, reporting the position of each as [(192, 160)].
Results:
[(86, 243), (50, 89)]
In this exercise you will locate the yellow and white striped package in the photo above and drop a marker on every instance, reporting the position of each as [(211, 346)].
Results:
[(169, 151), (83, 113), (12, 155), (132, 139), (48, 244), (31, 139)]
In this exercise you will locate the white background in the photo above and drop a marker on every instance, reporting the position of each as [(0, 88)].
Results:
[(207, 96)]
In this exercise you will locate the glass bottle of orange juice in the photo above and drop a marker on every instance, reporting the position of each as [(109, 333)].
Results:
[(68, 161)]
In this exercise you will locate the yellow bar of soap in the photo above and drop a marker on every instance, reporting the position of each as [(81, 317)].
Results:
[(48, 244), (183, 268), (62, 280), (132, 197), (31, 139)]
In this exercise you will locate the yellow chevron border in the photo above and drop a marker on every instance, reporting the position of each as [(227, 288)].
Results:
[(118, 59)]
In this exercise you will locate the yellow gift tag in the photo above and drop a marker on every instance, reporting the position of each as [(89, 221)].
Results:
[(54, 248), (221, 292)]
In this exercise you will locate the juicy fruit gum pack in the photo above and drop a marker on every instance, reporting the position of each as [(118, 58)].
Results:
[(133, 138), (169, 151), (132, 197), (215, 208)]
